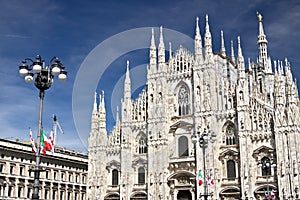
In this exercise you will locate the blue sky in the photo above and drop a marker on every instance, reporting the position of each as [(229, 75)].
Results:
[(71, 30)]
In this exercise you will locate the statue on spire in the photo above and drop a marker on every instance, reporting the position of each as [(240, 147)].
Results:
[(259, 16)]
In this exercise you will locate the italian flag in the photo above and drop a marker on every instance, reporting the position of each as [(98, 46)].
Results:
[(200, 178), (34, 150), (46, 143)]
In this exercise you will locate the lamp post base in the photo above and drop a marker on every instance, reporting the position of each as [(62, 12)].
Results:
[(35, 196)]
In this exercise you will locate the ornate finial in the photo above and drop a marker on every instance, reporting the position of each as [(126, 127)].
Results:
[(197, 19), (127, 63), (259, 16)]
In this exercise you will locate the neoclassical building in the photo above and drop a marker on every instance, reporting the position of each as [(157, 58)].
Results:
[(249, 112), (64, 175)]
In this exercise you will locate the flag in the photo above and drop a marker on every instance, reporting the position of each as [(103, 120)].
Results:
[(200, 178), (209, 180), (34, 150), (273, 194), (46, 144), (51, 139)]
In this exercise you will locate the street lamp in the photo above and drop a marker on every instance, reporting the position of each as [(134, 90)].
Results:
[(194, 141), (204, 139), (266, 165), (42, 75)]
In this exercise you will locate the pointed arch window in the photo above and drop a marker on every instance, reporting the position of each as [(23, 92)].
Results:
[(230, 135), (141, 175), (142, 144), (183, 101), (183, 148), (231, 172), (115, 177)]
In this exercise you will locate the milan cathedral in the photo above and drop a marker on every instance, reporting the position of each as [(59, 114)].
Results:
[(207, 125)]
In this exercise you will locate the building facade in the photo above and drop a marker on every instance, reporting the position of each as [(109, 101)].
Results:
[(248, 113), (64, 175)]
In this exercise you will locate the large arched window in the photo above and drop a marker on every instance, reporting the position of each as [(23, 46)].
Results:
[(142, 143), (266, 166), (230, 135), (183, 148), (141, 175), (231, 169), (183, 101), (115, 177)]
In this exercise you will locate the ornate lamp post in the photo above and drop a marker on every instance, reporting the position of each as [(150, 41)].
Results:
[(266, 165), (42, 75), (204, 139)]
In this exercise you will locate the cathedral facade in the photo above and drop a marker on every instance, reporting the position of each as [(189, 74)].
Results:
[(207, 126)]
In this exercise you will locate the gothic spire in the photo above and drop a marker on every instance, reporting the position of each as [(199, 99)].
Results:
[(262, 42), (207, 42), (102, 112), (127, 83), (223, 50), (198, 43), (117, 114), (170, 51), (240, 54), (95, 103), (232, 52), (152, 53), (161, 48), (102, 103)]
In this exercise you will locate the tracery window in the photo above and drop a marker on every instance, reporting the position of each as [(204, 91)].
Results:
[(141, 175), (142, 144), (231, 172), (230, 135), (183, 148), (115, 177), (183, 101)]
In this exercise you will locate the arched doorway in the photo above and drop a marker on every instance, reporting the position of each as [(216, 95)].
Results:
[(184, 195)]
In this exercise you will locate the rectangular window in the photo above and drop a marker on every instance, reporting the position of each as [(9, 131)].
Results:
[(61, 195), (54, 175), (54, 194), (2, 167), (62, 176), (10, 188), (11, 169), (20, 192), (46, 194), (21, 170), (28, 192)]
